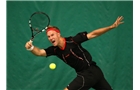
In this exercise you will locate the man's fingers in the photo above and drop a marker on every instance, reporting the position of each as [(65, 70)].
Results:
[(121, 22), (28, 45), (120, 18)]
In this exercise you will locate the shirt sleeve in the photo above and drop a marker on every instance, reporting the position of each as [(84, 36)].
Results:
[(80, 37), (50, 51)]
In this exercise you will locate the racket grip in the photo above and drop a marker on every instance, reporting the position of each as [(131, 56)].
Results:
[(31, 41)]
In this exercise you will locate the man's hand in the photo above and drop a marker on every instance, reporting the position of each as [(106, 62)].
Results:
[(29, 46), (35, 50), (118, 22)]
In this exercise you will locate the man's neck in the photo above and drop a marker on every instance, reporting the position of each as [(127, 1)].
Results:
[(62, 43)]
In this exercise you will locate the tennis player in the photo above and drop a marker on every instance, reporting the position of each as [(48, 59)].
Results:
[(69, 49)]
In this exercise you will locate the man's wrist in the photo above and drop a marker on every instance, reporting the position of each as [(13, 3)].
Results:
[(112, 26), (31, 48)]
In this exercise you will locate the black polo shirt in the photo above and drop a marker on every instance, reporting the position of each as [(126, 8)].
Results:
[(73, 53)]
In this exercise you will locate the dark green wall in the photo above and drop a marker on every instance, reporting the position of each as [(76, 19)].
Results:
[(113, 51)]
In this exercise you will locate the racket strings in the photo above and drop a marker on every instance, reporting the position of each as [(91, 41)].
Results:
[(39, 22)]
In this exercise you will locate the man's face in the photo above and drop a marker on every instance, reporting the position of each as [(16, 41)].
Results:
[(53, 37)]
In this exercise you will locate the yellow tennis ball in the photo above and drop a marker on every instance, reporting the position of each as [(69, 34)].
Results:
[(52, 66)]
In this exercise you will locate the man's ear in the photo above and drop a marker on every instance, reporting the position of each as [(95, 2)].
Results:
[(59, 34)]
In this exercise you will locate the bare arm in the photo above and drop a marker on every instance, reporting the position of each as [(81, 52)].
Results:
[(35, 50), (100, 31)]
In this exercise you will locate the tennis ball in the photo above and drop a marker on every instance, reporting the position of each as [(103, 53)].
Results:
[(52, 66)]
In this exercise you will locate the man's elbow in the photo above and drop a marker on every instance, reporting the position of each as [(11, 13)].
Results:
[(90, 36)]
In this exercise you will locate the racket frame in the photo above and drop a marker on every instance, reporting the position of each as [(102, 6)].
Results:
[(39, 31)]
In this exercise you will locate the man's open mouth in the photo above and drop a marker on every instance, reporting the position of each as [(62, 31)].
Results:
[(53, 41)]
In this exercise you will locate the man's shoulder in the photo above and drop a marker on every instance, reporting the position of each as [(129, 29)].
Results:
[(68, 37), (53, 47)]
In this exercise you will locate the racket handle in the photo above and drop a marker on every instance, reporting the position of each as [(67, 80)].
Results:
[(31, 41)]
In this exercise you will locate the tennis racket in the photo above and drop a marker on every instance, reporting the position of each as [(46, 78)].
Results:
[(38, 22)]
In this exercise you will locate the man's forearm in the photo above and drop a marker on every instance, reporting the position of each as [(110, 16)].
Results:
[(38, 52), (35, 50), (101, 31)]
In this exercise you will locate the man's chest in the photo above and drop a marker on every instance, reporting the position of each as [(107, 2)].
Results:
[(72, 52)]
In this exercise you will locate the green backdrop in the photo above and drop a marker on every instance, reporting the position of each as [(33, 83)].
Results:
[(113, 51)]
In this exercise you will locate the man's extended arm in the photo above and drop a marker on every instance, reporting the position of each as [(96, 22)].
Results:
[(35, 50), (100, 31)]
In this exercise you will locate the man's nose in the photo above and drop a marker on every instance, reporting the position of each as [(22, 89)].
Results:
[(51, 38)]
